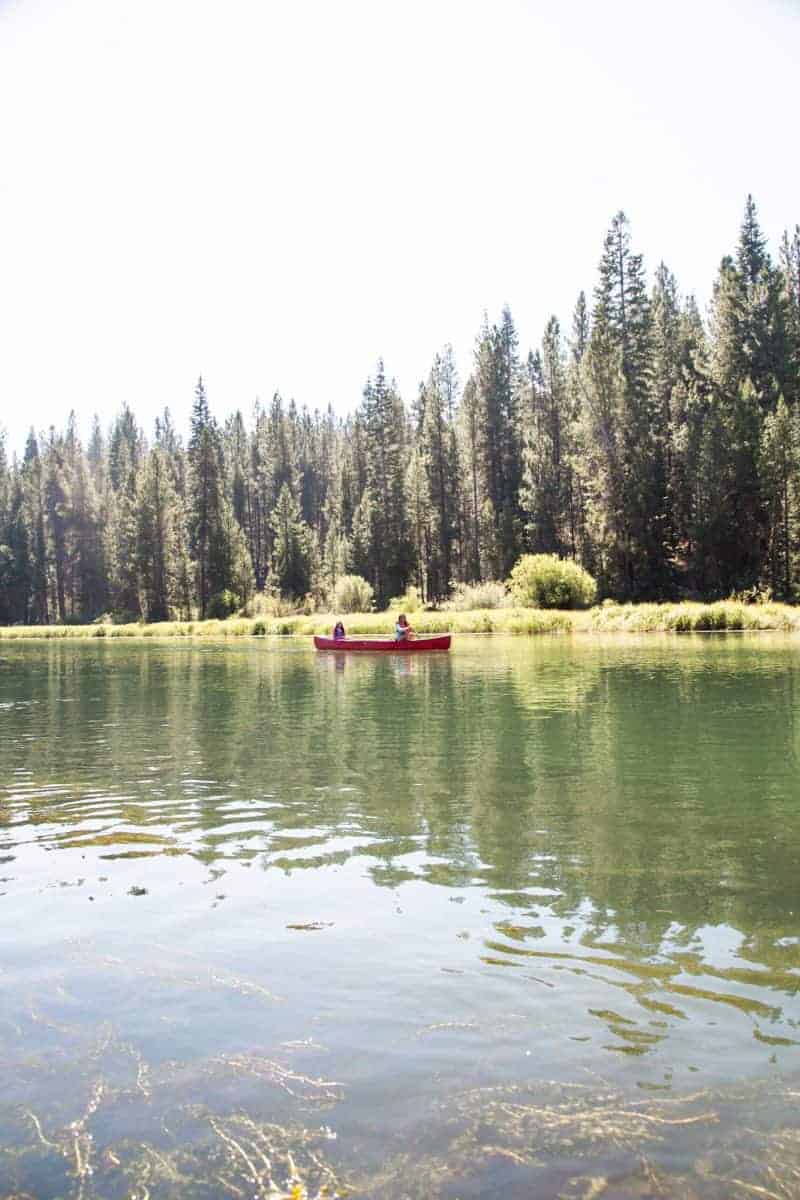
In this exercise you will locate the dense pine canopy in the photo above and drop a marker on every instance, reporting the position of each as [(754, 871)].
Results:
[(659, 450)]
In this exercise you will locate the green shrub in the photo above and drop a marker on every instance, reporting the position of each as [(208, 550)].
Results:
[(222, 604), (409, 602), (259, 628), (547, 581), (122, 616), (469, 597), (269, 604), (352, 594)]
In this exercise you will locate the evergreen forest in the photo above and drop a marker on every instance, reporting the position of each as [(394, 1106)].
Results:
[(657, 446)]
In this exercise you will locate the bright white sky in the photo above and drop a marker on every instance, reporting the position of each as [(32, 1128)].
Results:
[(275, 193)]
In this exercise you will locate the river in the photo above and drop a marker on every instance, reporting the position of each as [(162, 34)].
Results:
[(517, 920)]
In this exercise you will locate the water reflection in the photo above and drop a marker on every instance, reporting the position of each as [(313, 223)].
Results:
[(561, 860)]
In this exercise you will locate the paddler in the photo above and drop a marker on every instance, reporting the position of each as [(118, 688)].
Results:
[(402, 630)]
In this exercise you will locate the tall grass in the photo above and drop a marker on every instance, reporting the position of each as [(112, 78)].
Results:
[(689, 617), (685, 617), (369, 624), (467, 597)]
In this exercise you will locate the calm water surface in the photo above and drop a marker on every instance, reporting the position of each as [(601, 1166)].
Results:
[(519, 920)]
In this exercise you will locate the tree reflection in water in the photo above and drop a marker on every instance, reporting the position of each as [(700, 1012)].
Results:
[(532, 902)]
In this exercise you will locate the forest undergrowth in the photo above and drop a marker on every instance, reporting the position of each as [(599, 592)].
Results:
[(724, 616)]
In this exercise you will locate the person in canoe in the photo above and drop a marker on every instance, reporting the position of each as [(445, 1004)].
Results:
[(338, 631), (402, 630)]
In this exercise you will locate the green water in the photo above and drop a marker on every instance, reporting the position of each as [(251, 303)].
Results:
[(520, 920)]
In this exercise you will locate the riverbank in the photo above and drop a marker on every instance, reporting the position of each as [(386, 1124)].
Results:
[(684, 617)]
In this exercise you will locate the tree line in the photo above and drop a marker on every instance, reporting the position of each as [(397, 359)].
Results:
[(658, 449)]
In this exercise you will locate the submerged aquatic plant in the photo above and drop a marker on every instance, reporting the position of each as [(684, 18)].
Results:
[(595, 1139)]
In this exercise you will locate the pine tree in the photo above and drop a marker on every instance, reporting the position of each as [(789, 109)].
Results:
[(421, 520), (5, 483), (86, 541), (667, 330), (662, 455), (546, 491), (291, 559), (15, 561), (361, 535), (750, 322), (96, 454), (790, 282), (159, 547), (498, 384), (14, 557), (579, 541), (125, 599), (581, 329), (470, 446), (607, 549), (235, 457), (168, 440), (749, 368), (204, 493), (436, 488), (55, 512), (230, 566), (623, 327), (764, 314), (218, 545), (389, 553), (261, 476), (33, 507), (779, 462), (682, 372), (124, 448)]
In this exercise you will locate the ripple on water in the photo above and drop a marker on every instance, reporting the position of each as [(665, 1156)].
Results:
[(531, 911)]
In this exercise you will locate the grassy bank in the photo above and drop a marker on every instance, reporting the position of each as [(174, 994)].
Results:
[(686, 617), (502, 620)]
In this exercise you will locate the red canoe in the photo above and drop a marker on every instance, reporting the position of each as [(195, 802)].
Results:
[(440, 642)]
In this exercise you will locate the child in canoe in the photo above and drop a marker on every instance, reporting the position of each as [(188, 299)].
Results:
[(402, 630), (338, 631)]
